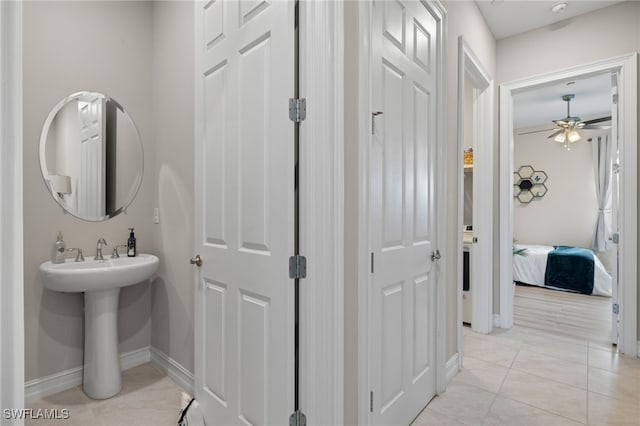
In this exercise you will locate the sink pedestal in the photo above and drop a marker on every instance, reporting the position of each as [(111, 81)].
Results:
[(102, 377)]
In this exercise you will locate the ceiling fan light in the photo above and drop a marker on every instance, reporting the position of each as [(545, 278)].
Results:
[(561, 137), (574, 136)]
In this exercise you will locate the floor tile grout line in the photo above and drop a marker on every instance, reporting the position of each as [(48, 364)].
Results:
[(541, 409), (508, 371), (493, 364), (511, 368), (551, 380), (530, 405), (495, 397)]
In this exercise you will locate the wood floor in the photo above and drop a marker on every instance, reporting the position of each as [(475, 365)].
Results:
[(562, 313)]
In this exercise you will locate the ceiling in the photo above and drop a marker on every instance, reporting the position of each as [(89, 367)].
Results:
[(539, 106), (510, 17)]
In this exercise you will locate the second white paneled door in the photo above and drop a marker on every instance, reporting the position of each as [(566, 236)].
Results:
[(402, 192), (244, 198)]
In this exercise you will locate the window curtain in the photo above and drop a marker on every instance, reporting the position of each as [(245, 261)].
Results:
[(602, 156)]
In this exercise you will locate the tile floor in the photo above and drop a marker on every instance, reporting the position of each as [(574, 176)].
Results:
[(518, 377), (148, 398), (524, 377)]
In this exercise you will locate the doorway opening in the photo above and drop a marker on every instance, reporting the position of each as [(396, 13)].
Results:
[(573, 188), (622, 72), (475, 200)]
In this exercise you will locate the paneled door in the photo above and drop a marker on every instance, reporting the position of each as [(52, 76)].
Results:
[(402, 295), (91, 183), (244, 221)]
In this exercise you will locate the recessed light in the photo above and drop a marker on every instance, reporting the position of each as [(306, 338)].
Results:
[(559, 7)]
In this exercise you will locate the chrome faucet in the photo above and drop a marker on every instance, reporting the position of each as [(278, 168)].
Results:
[(101, 241)]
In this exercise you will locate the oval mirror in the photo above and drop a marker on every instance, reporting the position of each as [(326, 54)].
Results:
[(91, 156)]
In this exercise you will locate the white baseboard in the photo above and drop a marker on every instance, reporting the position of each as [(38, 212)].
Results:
[(58, 382), (135, 358), (173, 369), (452, 367), (496, 320)]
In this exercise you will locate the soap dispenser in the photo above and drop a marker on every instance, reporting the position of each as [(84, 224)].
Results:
[(131, 244), (57, 255)]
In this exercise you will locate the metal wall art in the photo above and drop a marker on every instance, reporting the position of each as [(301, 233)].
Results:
[(528, 184)]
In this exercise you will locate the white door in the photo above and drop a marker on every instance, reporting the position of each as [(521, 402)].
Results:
[(244, 222), (92, 178), (402, 295)]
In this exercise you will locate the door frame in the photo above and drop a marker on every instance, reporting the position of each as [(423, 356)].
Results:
[(321, 215), (365, 80), (482, 294), (11, 220), (627, 86)]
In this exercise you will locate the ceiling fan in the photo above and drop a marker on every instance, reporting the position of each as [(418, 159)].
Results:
[(569, 126)]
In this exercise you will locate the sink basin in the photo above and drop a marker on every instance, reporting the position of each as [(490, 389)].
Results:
[(100, 281), (92, 275)]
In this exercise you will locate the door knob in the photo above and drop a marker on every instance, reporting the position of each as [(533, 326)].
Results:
[(196, 260)]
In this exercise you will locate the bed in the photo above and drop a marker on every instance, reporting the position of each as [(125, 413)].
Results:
[(561, 268)]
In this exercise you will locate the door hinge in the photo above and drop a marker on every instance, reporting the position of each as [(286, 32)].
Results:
[(615, 168), (616, 308), (297, 267), (297, 109), (615, 237), (614, 99), (371, 401), (372, 262), (298, 419)]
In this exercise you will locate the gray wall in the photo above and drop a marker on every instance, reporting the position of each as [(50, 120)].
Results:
[(141, 54), (596, 36), (72, 46), (172, 115)]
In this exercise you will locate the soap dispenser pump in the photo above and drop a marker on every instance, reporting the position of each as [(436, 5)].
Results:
[(131, 244), (57, 256)]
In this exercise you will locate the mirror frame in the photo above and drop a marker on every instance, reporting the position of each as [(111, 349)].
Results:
[(43, 157)]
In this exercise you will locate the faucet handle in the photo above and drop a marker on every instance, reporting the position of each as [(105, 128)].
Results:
[(79, 256), (115, 253)]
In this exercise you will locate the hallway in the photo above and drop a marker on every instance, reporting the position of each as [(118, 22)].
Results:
[(526, 377)]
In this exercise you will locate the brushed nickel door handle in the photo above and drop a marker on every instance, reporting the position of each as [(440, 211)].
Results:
[(196, 260)]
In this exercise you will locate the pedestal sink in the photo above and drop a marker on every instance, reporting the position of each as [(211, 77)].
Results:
[(100, 281)]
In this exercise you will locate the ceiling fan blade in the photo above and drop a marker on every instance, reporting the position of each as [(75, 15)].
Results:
[(554, 134), (597, 120), (597, 126), (535, 131), (561, 123)]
